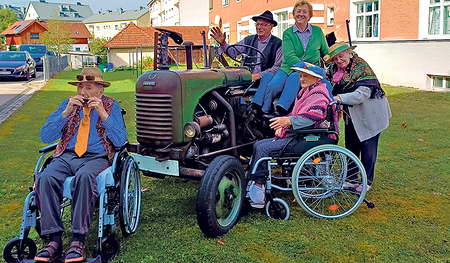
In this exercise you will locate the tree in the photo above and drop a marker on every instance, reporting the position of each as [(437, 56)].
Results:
[(57, 36), (95, 46), (7, 18)]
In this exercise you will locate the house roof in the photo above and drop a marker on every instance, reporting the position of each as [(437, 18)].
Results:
[(76, 29), (19, 26), (116, 16), (67, 12), (134, 36)]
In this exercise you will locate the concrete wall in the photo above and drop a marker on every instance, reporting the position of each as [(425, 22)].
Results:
[(407, 63)]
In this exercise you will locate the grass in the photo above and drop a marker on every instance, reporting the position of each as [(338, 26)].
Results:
[(410, 221)]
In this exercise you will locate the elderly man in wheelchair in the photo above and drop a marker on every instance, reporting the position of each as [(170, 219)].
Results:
[(92, 135), (306, 147)]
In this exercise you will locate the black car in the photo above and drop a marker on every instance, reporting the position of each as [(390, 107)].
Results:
[(17, 64), (37, 52)]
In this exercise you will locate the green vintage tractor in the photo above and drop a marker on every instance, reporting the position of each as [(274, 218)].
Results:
[(194, 124)]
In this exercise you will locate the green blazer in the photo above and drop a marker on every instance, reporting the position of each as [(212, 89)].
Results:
[(293, 49)]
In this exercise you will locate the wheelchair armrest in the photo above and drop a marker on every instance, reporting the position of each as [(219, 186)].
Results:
[(308, 131), (48, 148)]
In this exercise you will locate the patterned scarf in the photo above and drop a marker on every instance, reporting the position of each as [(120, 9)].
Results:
[(358, 73), (311, 103), (69, 129)]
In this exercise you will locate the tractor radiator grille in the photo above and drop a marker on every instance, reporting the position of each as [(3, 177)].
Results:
[(154, 119)]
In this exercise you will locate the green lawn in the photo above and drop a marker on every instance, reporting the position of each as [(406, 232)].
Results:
[(410, 221)]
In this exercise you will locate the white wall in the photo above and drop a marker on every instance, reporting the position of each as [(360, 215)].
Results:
[(407, 63), (122, 56), (194, 13)]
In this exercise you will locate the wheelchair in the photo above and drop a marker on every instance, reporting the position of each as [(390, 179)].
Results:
[(322, 175), (119, 188)]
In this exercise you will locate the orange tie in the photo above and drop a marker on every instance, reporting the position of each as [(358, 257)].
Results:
[(83, 133)]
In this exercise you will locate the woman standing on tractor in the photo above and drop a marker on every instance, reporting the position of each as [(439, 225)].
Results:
[(301, 42)]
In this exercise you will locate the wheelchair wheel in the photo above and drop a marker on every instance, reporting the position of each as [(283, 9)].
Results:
[(324, 181), (12, 252), (220, 197), (130, 197), (110, 249), (278, 209)]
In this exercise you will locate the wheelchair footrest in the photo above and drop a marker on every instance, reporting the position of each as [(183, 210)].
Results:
[(98, 259)]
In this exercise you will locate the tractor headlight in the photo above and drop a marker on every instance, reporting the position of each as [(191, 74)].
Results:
[(191, 129)]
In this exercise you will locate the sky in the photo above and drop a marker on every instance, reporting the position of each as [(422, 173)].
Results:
[(96, 5)]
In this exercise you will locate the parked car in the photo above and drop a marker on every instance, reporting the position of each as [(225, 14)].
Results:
[(51, 53), (37, 52), (17, 64)]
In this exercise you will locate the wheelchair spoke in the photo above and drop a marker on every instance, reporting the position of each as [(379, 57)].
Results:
[(319, 185)]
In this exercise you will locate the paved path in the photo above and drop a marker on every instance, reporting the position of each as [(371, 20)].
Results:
[(14, 93)]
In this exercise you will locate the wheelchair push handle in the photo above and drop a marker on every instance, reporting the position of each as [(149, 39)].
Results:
[(338, 105)]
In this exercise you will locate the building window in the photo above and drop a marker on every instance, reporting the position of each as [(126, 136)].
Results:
[(34, 35), (330, 16), (211, 5), (98, 28), (283, 23), (226, 31), (441, 81), (439, 24), (116, 27), (367, 19), (225, 2), (106, 27)]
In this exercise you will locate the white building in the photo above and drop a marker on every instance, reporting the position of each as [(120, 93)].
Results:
[(106, 25), (179, 12)]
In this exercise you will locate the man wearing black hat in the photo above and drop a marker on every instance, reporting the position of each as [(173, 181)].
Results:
[(264, 41)]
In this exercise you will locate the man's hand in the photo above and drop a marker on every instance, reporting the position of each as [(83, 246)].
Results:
[(218, 36), (75, 101), (255, 76), (280, 122), (97, 104)]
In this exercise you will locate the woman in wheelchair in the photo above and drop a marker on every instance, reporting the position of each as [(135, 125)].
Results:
[(89, 126), (309, 111)]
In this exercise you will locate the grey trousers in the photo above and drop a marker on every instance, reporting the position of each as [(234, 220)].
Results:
[(49, 190), (263, 148)]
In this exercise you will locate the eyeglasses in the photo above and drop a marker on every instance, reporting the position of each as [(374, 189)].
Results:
[(86, 77), (263, 25)]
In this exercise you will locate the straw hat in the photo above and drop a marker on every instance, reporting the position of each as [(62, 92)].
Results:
[(337, 48), (90, 75), (310, 69)]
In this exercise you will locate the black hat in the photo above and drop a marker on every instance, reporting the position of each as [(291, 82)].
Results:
[(267, 15)]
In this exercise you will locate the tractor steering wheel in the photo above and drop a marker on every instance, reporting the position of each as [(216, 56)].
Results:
[(243, 57)]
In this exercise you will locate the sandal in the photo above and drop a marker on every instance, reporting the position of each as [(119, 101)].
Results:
[(76, 252), (50, 253)]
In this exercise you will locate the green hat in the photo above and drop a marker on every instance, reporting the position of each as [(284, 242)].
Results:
[(335, 49)]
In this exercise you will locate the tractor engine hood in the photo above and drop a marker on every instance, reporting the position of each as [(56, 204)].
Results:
[(166, 100)]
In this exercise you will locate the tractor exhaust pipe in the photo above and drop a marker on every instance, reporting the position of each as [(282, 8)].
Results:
[(232, 120)]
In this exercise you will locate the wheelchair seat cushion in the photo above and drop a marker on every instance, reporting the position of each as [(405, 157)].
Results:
[(104, 179), (300, 144)]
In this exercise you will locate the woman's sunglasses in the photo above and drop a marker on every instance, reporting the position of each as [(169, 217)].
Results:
[(86, 77)]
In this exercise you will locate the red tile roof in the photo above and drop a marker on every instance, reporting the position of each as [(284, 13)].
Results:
[(18, 27), (134, 36), (76, 29)]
